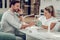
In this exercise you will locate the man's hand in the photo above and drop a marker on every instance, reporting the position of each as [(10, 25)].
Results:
[(20, 11), (24, 26), (29, 25)]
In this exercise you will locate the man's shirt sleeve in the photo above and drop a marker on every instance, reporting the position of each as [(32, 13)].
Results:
[(12, 21)]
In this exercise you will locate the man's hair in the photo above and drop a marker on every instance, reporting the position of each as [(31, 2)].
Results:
[(14, 2)]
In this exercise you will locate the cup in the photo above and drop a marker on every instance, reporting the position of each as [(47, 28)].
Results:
[(39, 23)]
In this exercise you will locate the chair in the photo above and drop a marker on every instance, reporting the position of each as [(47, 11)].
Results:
[(5, 36)]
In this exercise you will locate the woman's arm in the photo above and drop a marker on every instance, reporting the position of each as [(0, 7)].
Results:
[(51, 26), (45, 27)]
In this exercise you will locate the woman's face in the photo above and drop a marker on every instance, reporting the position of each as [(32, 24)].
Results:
[(46, 13)]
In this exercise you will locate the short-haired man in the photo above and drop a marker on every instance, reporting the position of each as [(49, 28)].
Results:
[(10, 21)]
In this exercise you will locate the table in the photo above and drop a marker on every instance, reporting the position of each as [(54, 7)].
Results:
[(37, 33)]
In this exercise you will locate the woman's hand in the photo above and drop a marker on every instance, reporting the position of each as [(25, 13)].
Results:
[(31, 23)]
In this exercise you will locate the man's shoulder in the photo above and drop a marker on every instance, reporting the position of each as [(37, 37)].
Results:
[(6, 12)]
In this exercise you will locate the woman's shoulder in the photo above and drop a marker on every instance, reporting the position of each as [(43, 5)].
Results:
[(54, 19)]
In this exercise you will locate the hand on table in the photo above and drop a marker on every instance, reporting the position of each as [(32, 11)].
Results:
[(31, 24), (27, 25)]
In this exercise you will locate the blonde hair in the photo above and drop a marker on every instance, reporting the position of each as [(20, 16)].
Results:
[(50, 9)]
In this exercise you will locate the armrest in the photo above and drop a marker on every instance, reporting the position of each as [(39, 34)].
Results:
[(57, 27), (7, 36), (0, 27)]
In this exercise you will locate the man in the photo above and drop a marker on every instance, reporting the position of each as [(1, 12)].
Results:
[(10, 21)]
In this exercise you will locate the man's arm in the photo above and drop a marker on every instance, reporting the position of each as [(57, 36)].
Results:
[(11, 20), (28, 25)]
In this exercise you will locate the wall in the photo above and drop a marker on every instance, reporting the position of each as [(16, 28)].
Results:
[(55, 3), (3, 9)]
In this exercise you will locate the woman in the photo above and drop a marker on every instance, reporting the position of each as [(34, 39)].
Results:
[(48, 20)]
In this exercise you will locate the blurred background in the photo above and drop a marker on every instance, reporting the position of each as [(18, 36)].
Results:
[(28, 6), (35, 7)]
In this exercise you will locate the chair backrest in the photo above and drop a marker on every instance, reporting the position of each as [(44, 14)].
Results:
[(57, 27), (0, 21), (1, 16)]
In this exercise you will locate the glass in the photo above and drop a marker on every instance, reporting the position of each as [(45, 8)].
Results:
[(39, 23)]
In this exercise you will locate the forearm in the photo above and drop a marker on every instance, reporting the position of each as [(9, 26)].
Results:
[(24, 26), (51, 26), (27, 25), (21, 18)]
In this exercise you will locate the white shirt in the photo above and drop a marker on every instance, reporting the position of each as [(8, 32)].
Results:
[(47, 22)]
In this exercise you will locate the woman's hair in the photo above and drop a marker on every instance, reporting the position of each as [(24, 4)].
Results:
[(50, 9)]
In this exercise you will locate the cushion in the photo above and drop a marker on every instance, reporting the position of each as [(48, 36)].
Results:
[(7, 36), (0, 16), (57, 27)]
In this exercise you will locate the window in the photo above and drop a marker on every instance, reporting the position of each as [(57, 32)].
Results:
[(47, 0), (0, 3), (5, 3), (26, 0)]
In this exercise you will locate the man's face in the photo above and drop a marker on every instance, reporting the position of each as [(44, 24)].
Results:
[(16, 7)]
